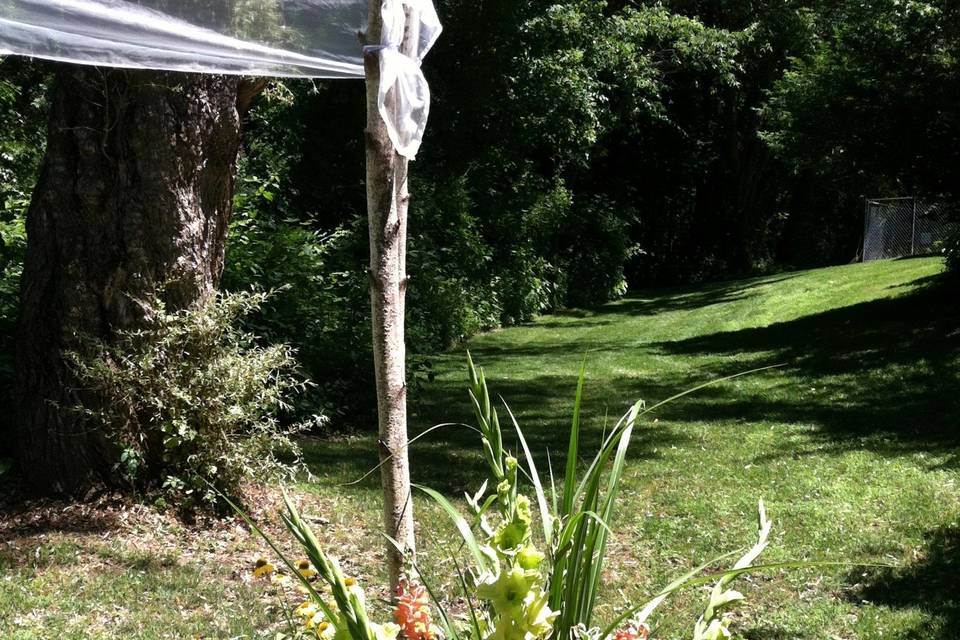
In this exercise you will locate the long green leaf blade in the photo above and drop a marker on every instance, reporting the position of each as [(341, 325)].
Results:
[(460, 522), (545, 515), (570, 476)]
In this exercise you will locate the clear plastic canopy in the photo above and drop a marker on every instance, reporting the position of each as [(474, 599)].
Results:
[(292, 38)]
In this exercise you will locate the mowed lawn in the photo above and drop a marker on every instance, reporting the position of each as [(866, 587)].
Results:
[(853, 445)]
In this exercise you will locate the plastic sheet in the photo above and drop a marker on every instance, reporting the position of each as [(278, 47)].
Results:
[(404, 96), (292, 38)]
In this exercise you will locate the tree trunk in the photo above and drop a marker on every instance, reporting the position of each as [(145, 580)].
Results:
[(387, 205), (134, 196)]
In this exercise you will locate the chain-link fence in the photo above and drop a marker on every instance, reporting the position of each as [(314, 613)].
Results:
[(898, 227)]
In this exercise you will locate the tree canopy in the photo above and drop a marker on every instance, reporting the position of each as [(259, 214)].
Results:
[(575, 148)]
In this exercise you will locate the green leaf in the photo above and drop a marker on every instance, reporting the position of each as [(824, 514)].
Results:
[(460, 522), (545, 516), (570, 478)]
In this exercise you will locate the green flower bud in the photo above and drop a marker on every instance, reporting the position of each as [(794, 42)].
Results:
[(524, 514), (529, 558)]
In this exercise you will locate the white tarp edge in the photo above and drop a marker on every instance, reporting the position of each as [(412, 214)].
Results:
[(286, 38)]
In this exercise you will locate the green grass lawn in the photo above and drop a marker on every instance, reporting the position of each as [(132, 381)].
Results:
[(852, 444)]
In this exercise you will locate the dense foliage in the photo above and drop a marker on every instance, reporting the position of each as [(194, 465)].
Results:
[(951, 251), (22, 107), (574, 149), (190, 400), (872, 109)]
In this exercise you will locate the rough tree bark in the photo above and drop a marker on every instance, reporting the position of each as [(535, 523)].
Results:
[(135, 193), (387, 206)]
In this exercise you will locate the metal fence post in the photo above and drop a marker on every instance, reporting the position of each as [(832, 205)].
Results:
[(913, 229)]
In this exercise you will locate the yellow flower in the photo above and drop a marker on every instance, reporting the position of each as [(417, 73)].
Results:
[(529, 558), (717, 630), (306, 609), (354, 589), (325, 630), (506, 590), (538, 617), (315, 620), (262, 568), (304, 568), (279, 579)]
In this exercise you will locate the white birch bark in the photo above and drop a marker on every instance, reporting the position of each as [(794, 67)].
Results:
[(387, 204)]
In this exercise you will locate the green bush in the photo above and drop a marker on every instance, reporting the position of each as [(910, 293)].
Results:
[(23, 106), (526, 286), (13, 244), (598, 248), (451, 293), (951, 250), (189, 397), (321, 305)]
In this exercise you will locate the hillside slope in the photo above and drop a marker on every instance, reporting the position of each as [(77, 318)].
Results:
[(852, 443)]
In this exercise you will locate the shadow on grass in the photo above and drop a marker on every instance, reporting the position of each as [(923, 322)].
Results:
[(657, 301), (648, 303), (882, 375), (930, 584), (450, 459)]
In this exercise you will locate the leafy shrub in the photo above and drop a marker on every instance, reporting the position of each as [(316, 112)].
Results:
[(451, 294), (321, 304), (525, 286), (189, 396), (951, 250), (598, 247), (13, 244), (23, 106), (278, 242)]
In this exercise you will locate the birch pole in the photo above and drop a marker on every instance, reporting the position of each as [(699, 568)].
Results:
[(387, 204)]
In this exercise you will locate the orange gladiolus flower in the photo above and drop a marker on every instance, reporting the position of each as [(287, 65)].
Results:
[(631, 632), (413, 611)]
